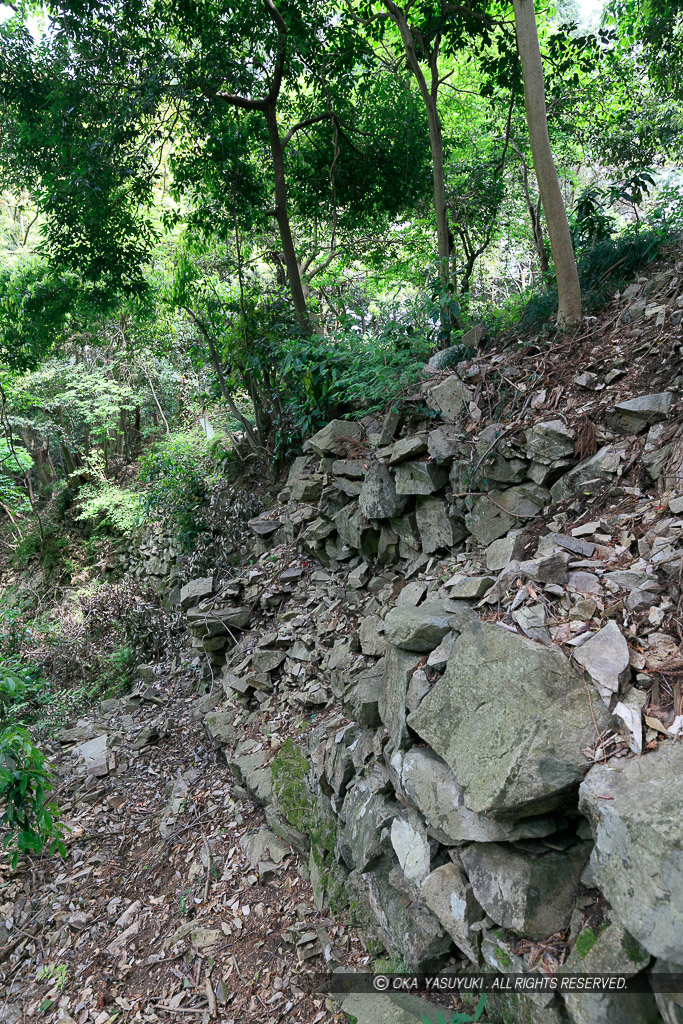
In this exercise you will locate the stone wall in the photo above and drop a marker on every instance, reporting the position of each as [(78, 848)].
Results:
[(492, 771)]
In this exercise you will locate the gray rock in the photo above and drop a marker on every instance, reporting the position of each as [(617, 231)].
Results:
[(436, 527), (411, 595), (419, 478), (488, 520), (252, 770), (548, 441), (635, 810), (371, 636), (511, 718), (496, 513), (365, 811), (440, 655), (449, 896), (670, 1004), (531, 894), (469, 588), (408, 929), (195, 590), (443, 444), (408, 448), (263, 845), (431, 787), (306, 488), (399, 666), (283, 830), (601, 466), (297, 468), (531, 620), (450, 398), (636, 414), (354, 469), (612, 951), (503, 551), (220, 727), (365, 695), (411, 846), (406, 530), (397, 1008), (378, 497), (606, 659), (334, 437), (417, 629), (525, 501), (94, 754)]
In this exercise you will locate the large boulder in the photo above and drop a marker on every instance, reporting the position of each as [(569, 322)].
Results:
[(378, 498), (450, 397), (548, 441), (417, 629), (512, 719), (636, 414), (393, 1008), (408, 929), (610, 950), (601, 466), (530, 893), (335, 436), (366, 809), (635, 809), (419, 478), (431, 787), (437, 528), (449, 896)]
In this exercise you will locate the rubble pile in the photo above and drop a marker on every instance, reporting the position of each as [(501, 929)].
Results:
[(449, 686), (480, 619)]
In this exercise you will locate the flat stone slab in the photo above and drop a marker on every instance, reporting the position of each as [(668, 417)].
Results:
[(606, 659), (378, 497), (335, 436), (635, 809), (511, 719), (532, 894), (417, 629)]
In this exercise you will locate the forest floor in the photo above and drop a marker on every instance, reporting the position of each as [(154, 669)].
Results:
[(136, 927)]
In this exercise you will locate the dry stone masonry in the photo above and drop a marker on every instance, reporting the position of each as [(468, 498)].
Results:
[(478, 624)]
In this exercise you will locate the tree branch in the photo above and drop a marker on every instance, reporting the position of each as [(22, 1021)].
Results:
[(306, 123)]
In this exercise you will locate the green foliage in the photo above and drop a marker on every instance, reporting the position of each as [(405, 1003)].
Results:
[(50, 548), (459, 1018), (603, 269), (586, 939), (106, 504), (348, 373), (14, 463), (29, 819), (176, 472)]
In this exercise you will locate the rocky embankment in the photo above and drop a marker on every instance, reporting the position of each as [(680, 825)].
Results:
[(482, 619), (448, 686)]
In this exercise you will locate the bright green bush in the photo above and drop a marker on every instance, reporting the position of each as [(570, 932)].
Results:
[(177, 472), (29, 820), (350, 374)]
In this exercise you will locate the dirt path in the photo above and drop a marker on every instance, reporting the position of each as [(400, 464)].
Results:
[(143, 924)]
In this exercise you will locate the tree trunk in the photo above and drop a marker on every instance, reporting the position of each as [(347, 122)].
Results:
[(282, 218), (569, 290)]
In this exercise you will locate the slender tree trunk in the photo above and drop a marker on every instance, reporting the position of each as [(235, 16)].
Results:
[(439, 183), (569, 290), (282, 218)]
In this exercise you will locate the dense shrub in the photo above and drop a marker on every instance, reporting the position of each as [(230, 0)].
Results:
[(29, 820)]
